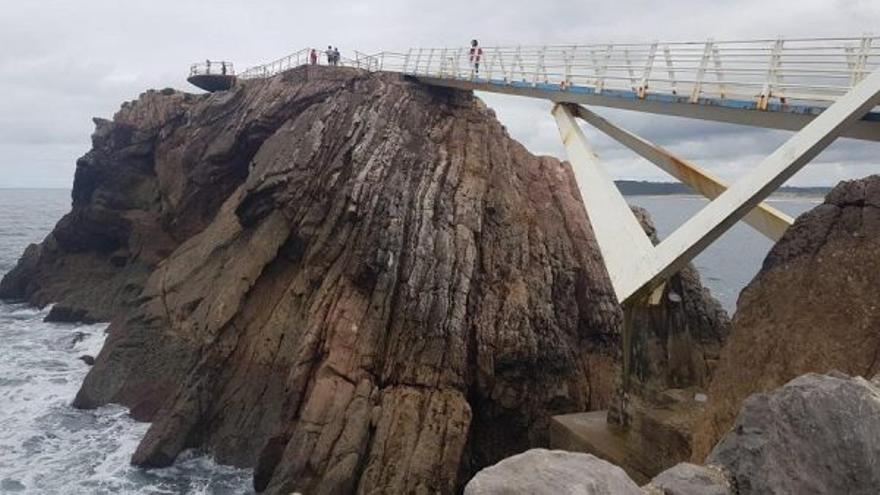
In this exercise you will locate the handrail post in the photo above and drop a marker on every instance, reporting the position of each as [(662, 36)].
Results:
[(719, 74), (600, 82), (629, 69), (428, 63), (701, 72), (772, 75), (539, 60), (567, 59), (406, 61), (670, 69), (862, 60), (646, 73)]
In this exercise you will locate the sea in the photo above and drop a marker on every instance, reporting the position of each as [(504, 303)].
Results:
[(48, 447)]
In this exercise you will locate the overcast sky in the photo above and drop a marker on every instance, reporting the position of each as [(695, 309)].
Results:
[(64, 62)]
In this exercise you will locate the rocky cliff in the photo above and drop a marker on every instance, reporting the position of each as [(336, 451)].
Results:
[(346, 280), (814, 307)]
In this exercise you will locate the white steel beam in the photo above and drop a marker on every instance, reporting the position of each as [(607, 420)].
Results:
[(764, 218), (626, 249), (707, 225)]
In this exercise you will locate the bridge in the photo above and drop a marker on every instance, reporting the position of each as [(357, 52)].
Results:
[(823, 88)]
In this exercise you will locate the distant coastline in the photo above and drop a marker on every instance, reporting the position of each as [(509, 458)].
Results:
[(646, 188)]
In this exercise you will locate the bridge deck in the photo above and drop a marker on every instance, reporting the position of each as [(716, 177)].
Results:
[(789, 116)]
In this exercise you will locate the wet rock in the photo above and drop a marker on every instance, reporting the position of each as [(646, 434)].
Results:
[(814, 307), (552, 472), (65, 314), (689, 479), (89, 360), (817, 434), (77, 337)]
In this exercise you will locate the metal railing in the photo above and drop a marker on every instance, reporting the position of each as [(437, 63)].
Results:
[(209, 67), (816, 69), (810, 69)]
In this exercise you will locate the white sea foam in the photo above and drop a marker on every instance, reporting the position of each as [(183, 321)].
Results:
[(47, 446)]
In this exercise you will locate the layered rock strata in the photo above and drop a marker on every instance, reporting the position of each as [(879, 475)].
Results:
[(348, 281)]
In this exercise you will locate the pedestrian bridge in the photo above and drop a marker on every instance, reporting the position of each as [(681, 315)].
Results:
[(823, 88)]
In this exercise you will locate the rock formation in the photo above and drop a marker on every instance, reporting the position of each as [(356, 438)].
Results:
[(814, 307), (391, 294), (348, 281), (157, 173)]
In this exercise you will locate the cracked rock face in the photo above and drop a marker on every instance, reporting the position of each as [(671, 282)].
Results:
[(393, 295), (814, 307)]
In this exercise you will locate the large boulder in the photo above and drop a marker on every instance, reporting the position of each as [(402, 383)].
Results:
[(814, 307), (818, 434), (552, 472)]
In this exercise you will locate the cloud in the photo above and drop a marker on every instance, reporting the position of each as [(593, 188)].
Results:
[(63, 62)]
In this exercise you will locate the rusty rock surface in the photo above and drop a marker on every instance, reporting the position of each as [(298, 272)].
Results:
[(814, 307)]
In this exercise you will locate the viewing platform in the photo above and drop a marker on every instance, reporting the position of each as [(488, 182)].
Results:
[(212, 75)]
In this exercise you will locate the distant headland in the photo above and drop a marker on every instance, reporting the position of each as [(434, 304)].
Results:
[(647, 188)]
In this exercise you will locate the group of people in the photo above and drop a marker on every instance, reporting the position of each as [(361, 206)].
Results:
[(331, 52)]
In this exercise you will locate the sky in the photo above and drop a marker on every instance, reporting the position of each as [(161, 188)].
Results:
[(64, 62)]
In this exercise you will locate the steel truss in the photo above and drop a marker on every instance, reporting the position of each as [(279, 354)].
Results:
[(635, 266)]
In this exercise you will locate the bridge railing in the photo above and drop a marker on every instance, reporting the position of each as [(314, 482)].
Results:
[(277, 66), (817, 69), (210, 67)]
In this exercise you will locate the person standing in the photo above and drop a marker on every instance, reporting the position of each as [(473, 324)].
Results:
[(207, 66), (313, 56), (335, 56), (476, 54), (329, 54)]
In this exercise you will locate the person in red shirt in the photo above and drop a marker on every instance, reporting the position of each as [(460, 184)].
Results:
[(475, 56), (313, 57)]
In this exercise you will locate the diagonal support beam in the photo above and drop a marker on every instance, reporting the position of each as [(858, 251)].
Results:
[(764, 218), (626, 249), (719, 215)]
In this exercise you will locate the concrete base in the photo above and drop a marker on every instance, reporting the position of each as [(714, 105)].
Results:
[(591, 433), (658, 436)]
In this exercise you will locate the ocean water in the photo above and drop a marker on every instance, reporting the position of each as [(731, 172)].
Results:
[(48, 447)]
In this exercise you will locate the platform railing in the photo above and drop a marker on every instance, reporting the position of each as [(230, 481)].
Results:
[(210, 67), (278, 66)]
